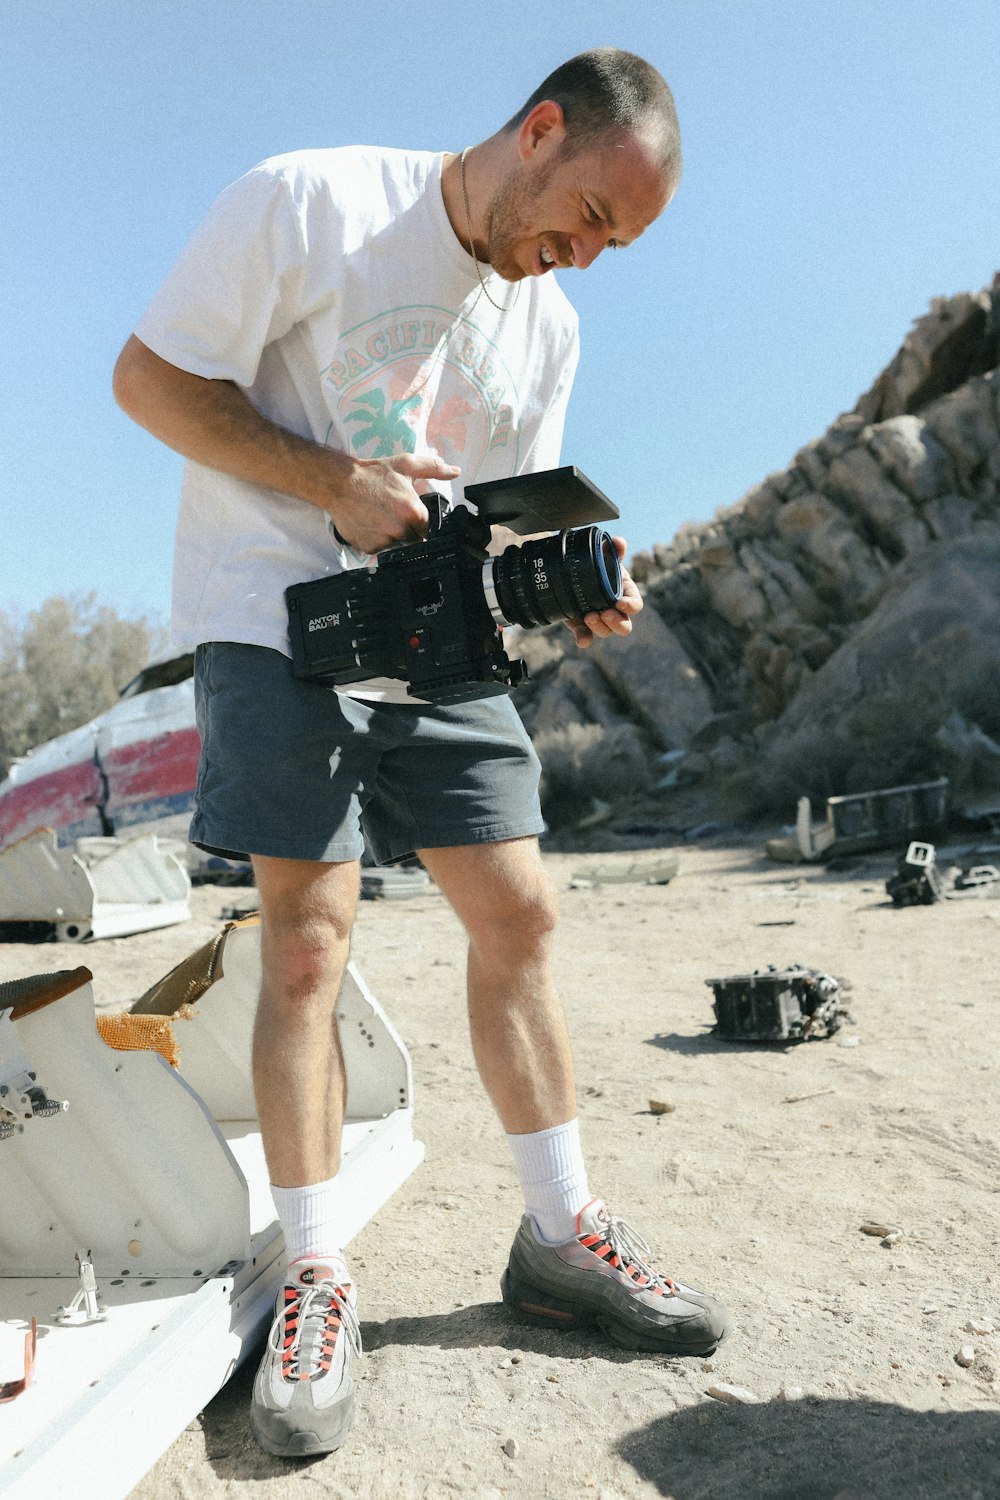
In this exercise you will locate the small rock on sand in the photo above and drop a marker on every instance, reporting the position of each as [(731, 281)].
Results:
[(733, 1395)]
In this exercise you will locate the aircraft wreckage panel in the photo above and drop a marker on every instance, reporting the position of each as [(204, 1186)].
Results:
[(59, 786), (132, 769)]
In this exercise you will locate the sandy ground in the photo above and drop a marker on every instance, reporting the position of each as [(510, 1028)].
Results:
[(754, 1186)]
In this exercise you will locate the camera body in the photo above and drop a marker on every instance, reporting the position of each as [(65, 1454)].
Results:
[(432, 612)]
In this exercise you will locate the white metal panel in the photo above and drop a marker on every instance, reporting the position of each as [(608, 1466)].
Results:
[(379, 1072), (122, 918), (39, 882), (135, 1170), (160, 711), (99, 887), (67, 750), (215, 1046), (134, 869), (109, 1397)]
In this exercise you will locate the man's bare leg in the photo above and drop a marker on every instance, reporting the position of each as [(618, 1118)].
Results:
[(591, 1271), (303, 1396), (307, 912), (507, 905)]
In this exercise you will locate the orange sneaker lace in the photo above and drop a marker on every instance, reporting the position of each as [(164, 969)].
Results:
[(623, 1248)]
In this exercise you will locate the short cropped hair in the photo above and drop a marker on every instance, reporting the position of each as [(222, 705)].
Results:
[(607, 90)]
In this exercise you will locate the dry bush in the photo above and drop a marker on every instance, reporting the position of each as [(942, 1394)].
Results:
[(584, 761), (63, 665)]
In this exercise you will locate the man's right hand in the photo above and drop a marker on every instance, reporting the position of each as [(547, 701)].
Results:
[(373, 501), (376, 505)]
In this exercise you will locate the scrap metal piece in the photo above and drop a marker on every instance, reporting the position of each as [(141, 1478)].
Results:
[(22, 1097), (11, 1388), (15, 1103), (86, 1306), (42, 1107), (658, 871), (778, 1005), (975, 876), (917, 881), (96, 888), (860, 821), (171, 1183), (394, 884)]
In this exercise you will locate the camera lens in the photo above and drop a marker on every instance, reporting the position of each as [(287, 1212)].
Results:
[(559, 577)]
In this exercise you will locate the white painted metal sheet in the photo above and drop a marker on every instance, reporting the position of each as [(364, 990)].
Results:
[(175, 1206), (99, 887), (215, 1052), (135, 1169)]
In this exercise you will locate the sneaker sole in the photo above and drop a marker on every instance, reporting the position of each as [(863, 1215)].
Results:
[(536, 1305), (276, 1434)]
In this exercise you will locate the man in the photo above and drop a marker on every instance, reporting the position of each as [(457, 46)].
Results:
[(348, 325)]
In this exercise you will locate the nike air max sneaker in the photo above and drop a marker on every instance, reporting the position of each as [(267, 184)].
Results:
[(603, 1278), (303, 1396)]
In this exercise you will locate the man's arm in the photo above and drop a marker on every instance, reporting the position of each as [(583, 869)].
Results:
[(372, 501)]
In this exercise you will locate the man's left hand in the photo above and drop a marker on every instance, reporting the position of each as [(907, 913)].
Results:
[(616, 620)]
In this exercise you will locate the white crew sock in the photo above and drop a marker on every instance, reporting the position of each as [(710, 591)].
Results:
[(311, 1218), (553, 1179)]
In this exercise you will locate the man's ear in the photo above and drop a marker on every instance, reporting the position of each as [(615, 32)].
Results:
[(543, 130)]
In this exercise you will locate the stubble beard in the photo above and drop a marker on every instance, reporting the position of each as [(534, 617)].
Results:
[(508, 218)]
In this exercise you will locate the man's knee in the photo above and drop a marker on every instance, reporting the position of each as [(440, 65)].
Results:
[(307, 913), (514, 911), (532, 910)]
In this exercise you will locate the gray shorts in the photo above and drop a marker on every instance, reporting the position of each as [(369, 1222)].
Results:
[(297, 771)]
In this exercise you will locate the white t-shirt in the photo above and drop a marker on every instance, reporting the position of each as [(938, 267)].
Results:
[(330, 287)]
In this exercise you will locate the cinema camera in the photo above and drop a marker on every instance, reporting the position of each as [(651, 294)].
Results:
[(432, 612)]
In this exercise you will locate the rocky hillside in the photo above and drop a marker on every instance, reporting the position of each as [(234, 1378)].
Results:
[(836, 629)]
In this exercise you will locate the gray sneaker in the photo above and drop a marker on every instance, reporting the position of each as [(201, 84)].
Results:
[(603, 1278), (303, 1396)]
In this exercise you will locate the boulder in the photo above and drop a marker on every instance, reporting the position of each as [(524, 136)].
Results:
[(872, 715), (733, 593), (950, 516), (770, 565), (656, 679), (857, 480), (761, 506), (577, 693), (912, 457), (965, 423), (837, 557), (955, 340), (846, 609)]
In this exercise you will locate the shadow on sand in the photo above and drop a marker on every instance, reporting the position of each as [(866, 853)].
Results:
[(818, 1449), (811, 1449), (233, 1453), (707, 1042)]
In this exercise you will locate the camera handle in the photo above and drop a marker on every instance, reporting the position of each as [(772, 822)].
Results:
[(437, 507)]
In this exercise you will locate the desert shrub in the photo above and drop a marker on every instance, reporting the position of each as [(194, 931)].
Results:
[(584, 761), (63, 665)]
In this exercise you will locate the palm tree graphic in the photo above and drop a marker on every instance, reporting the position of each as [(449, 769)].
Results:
[(387, 428)]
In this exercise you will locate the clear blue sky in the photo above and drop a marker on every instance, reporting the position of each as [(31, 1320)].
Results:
[(841, 169)]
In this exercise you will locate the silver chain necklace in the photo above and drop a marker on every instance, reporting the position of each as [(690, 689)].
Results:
[(504, 307)]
